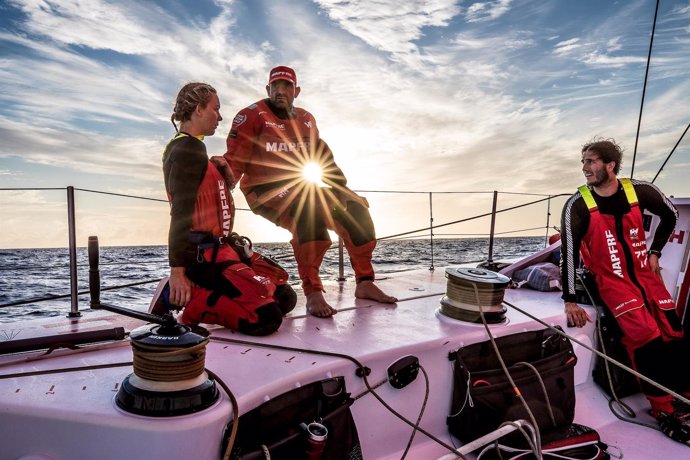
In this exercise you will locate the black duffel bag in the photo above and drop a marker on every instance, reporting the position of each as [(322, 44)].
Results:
[(278, 427), (483, 397)]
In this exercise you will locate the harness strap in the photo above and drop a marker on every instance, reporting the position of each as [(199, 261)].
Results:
[(629, 191), (209, 275), (628, 188), (588, 197)]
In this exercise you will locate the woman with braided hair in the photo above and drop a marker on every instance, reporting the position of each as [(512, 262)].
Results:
[(214, 275)]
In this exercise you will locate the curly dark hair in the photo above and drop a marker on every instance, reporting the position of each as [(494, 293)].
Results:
[(190, 96), (608, 151)]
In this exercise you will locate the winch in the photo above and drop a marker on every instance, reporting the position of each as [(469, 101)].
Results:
[(169, 377), (468, 289)]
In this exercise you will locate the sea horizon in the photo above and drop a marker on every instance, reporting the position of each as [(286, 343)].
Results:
[(421, 238), (129, 274)]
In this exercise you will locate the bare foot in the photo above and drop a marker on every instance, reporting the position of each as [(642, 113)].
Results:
[(317, 305), (368, 290)]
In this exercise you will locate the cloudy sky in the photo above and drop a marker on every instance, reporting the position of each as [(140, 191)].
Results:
[(423, 95)]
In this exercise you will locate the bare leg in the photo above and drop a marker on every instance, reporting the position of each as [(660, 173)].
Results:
[(317, 305), (368, 290)]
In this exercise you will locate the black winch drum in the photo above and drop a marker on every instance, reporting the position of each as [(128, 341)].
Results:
[(169, 377), (468, 288)]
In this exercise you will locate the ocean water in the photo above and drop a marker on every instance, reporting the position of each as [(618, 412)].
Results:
[(33, 274)]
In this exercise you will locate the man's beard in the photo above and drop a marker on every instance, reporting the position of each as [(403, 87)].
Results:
[(600, 178)]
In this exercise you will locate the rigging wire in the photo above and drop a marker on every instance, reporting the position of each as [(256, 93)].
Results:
[(672, 151), (474, 217), (122, 195), (644, 88), (64, 296)]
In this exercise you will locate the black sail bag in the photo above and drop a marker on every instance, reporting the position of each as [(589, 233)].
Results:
[(483, 397)]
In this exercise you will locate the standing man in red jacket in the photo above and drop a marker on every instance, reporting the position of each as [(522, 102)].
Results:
[(269, 145)]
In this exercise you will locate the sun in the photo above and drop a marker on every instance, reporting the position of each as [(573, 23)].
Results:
[(313, 173)]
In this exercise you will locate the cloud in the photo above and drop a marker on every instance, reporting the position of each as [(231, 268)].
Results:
[(567, 46), (605, 60), (389, 26), (79, 151), (487, 11), (590, 53), (77, 87), (614, 44), (102, 26)]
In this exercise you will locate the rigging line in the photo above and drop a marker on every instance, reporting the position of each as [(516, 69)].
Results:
[(335, 245), (43, 267), (602, 355), (122, 194), (247, 209), (669, 155), (63, 296), (137, 262), (17, 189), (517, 231), (516, 391), (474, 217), (449, 193), (140, 262), (644, 88), (235, 413), (421, 413), (418, 192), (362, 372), (487, 234)]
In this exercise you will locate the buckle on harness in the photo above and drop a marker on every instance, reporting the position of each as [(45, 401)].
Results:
[(242, 245)]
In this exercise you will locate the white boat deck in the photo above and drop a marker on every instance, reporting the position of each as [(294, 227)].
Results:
[(51, 414)]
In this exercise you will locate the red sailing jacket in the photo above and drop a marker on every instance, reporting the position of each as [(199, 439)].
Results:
[(634, 294), (269, 152)]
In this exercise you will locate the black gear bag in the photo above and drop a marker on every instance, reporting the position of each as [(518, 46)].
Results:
[(483, 397), (277, 427)]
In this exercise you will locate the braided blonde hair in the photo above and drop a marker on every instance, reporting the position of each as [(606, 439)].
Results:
[(190, 96)]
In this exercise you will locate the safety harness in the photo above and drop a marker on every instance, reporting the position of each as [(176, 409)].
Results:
[(592, 204), (209, 275)]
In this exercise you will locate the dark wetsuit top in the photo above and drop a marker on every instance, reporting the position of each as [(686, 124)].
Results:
[(184, 166)]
